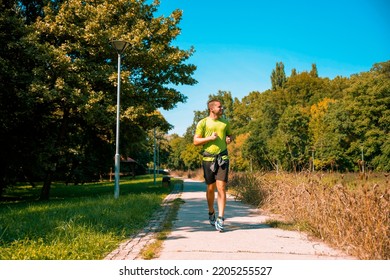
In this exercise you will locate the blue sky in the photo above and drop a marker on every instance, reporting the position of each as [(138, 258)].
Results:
[(238, 43)]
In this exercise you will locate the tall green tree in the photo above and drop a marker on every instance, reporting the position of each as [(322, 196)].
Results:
[(337, 134), (191, 156), (177, 145), (73, 83), (368, 102), (241, 115), (293, 131), (18, 112), (266, 109), (278, 76), (317, 126), (314, 71)]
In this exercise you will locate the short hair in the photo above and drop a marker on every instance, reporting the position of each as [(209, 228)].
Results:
[(211, 102)]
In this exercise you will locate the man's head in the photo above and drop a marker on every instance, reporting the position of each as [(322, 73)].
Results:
[(215, 107)]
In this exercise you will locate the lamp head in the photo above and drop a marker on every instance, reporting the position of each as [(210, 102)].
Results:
[(120, 45)]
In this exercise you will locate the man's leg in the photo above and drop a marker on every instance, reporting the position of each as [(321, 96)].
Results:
[(210, 191), (221, 188), (210, 195)]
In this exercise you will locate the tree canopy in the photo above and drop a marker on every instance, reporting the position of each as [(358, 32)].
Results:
[(58, 79), (306, 122)]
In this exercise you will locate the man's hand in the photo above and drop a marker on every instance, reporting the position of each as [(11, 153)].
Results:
[(214, 136), (229, 139)]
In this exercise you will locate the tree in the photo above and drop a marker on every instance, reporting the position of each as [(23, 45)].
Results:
[(333, 119), (177, 145), (338, 133), (266, 109), (191, 156), (237, 160), (292, 128), (293, 72), (314, 71), (303, 89), (278, 76), (317, 127), (18, 113), (367, 101), (73, 81), (241, 115)]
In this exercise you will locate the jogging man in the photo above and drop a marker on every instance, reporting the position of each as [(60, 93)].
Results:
[(213, 132)]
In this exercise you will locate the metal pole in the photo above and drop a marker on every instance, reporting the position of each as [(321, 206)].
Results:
[(154, 156), (117, 157)]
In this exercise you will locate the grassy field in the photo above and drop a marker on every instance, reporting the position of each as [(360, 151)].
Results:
[(349, 211), (82, 222)]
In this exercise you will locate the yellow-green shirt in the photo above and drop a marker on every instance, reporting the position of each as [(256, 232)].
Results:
[(206, 127)]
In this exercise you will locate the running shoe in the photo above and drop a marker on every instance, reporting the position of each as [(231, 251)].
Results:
[(219, 224), (212, 218)]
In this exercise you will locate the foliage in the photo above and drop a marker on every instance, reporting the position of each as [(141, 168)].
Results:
[(192, 156), (177, 145), (312, 122), (237, 161), (278, 76), (60, 114)]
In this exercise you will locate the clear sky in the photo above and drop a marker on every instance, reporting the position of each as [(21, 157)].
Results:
[(238, 43)]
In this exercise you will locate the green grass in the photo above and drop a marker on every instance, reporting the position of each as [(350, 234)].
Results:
[(79, 222), (153, 249)]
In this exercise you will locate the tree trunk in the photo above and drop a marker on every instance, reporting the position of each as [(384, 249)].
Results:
[(45, 193), (2, 187)]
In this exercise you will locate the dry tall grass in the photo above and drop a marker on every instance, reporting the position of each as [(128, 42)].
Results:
[(190, 174), (347, 211)]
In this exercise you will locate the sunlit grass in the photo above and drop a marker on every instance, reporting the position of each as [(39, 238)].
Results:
[(153, 249), (79, 222)]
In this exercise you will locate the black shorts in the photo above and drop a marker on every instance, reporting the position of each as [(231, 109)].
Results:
[(221, 174)]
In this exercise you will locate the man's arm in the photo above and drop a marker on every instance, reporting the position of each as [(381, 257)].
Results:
[(199, 140)]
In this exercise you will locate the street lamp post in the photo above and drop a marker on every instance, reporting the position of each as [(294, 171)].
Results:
[(154, 156), (120, 47)]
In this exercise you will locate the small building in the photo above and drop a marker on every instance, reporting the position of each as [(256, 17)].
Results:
[(128, 166)]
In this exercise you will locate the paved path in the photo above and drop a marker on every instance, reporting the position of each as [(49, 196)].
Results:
[(246, 237)]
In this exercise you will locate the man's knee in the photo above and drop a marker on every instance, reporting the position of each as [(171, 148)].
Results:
[(221, 185), (211, 187)]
